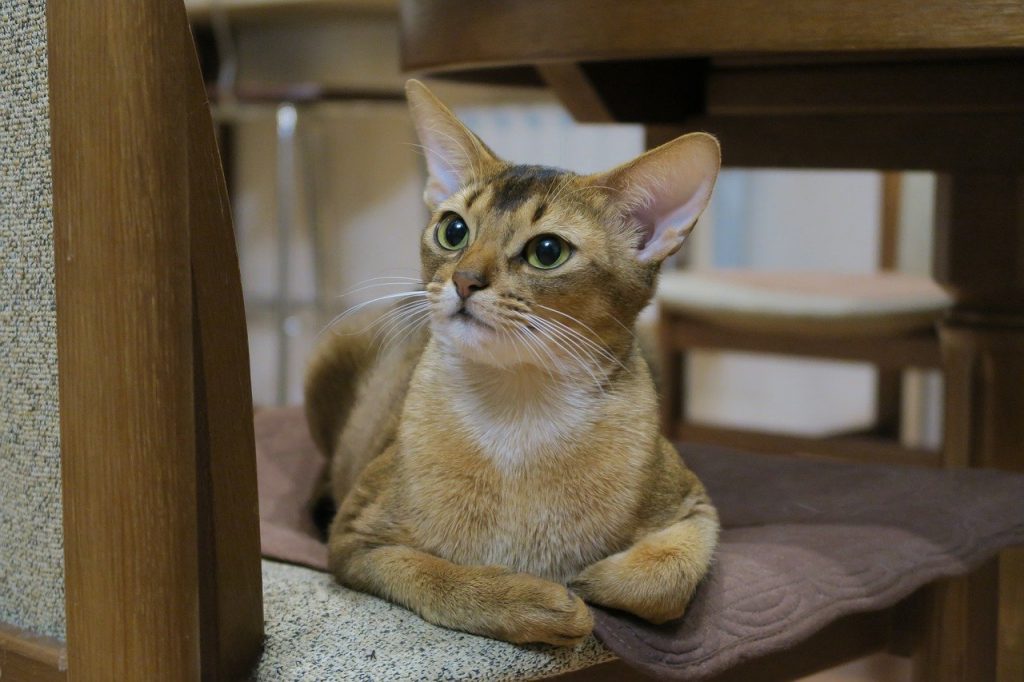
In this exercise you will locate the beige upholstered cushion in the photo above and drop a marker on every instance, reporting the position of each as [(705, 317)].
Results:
[(31, 540), (318, 630), (812, 303)]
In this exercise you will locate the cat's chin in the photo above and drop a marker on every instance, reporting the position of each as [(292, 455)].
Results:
[(469, 339)]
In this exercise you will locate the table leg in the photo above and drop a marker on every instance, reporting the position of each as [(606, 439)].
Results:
[(979, 257)]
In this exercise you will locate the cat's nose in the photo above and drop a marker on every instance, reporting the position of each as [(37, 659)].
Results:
[(467, 282)]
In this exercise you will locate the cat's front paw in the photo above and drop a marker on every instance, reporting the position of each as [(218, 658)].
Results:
[(537, 610), (618, 583)]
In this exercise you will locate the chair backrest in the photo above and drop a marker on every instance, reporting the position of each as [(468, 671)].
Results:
[(31, 541), (122, 306)]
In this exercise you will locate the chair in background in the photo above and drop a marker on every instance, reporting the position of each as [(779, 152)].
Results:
[(298, 174), (887, 319)]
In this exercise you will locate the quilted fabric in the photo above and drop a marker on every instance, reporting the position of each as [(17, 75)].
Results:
[(805, 543), (31, 538), (808, 542)]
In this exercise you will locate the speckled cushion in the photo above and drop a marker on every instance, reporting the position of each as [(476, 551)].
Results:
[(804, 544), (317, 630), (31, 540)]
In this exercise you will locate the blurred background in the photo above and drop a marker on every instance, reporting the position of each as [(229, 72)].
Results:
[(326, 182)]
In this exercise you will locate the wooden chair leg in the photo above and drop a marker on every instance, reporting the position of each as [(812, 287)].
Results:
[(957, 633), (1010, 661), (888, 402)]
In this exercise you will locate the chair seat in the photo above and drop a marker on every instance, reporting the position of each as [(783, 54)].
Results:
[(805, 303), (317, 630), (805, 543)]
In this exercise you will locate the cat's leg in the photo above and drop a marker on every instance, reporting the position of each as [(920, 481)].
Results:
[(655, 578), (366, 552), (483, 600)]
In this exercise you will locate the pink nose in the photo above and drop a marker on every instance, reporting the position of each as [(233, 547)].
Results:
[(467, 282)]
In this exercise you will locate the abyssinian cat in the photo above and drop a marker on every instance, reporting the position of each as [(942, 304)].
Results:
[(503, 464)]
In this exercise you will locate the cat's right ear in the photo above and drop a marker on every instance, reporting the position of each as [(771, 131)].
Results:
[(454, 154)]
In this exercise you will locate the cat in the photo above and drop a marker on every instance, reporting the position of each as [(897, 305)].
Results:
[(502, 465)]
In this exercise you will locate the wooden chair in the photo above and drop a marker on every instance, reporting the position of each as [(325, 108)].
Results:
[(128, 495), (887, 319), (127, 297)]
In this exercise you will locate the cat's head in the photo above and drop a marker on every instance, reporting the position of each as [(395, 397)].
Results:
[(537, 265)]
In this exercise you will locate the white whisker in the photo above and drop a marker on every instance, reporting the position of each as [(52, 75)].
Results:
[(360, 306), (572, 354), (523, 333), (602, 347), (411, 322), (396, 315), (581, 340)]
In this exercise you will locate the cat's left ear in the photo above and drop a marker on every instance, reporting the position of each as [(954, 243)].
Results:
[(664, 191), (454, 154)]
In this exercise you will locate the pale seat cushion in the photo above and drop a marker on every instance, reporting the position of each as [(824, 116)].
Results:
[(805, 302), (318, 630)]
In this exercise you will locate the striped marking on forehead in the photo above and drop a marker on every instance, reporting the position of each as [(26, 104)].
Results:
[(516, 184)]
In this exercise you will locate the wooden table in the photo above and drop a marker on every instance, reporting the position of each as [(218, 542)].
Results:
[(894, 84), (887, 84)]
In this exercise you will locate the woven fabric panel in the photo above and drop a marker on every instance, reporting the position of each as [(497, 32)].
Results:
[(31, 538)]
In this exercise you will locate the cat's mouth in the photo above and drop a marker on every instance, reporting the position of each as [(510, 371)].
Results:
[(467, 317)]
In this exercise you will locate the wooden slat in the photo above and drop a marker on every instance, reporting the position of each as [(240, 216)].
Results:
[(979, 257), (889, 221), (957, 638), (917, 350), (936, 87), (896, 141), (574, 88), (230, 573), (118, 101), (851, 448), (889, 402), (30, 657), (201, 11), (666, 91), (529, 32), (1010, 654)]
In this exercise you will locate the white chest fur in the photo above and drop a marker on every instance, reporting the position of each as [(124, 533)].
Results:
[(515, 417), (525, 472)]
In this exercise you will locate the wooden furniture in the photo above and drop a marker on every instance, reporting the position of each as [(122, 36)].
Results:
[(888, 320), (299, 153), (161, 540), (202, 10), (881, 84), (878, 84)]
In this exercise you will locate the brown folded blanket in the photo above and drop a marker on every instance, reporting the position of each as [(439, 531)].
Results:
[(804, 543)]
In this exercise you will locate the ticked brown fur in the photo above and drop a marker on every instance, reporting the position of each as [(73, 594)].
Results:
[(503, 464)]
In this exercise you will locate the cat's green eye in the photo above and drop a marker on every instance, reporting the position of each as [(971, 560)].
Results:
[(452, 233), (547, 251)]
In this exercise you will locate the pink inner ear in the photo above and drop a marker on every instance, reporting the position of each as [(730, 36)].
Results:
[(647, 224), (665, 221)]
